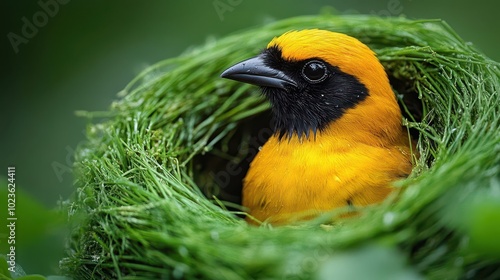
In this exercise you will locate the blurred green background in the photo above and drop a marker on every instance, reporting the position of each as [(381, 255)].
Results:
[(84, 52)]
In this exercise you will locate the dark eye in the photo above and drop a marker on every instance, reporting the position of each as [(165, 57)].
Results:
[(314, 71)]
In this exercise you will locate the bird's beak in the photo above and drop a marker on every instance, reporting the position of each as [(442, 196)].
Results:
[(254, 71)]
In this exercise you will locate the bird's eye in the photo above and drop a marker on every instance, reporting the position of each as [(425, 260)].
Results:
[(315, 71)]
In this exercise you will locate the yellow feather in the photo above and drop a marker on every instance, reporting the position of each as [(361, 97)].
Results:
[(352, 161)]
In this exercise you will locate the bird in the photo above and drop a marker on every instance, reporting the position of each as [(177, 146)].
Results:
[(338, 139)]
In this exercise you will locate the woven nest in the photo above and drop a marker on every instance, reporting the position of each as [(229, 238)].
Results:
[(160, 174)]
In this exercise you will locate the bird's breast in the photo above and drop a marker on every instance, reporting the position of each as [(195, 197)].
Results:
[(289, 176)]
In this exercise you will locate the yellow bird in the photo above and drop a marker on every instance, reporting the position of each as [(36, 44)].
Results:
[(338, 139)]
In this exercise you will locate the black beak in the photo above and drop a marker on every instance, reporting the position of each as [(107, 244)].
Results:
[(254, 71)]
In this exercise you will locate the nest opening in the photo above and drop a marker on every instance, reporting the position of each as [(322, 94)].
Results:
[(220, 172)]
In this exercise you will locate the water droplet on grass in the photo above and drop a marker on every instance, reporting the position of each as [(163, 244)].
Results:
[(214, 235), (179, 271), (389, 218), (183, 251)]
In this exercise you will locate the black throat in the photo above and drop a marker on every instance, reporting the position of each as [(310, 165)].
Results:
[(310, 106)]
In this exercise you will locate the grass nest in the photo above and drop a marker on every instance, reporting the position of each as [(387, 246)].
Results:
[(159, 175)]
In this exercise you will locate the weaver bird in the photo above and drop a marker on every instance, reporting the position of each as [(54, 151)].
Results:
[(338, 138)]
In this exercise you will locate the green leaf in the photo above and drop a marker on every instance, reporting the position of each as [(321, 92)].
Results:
[(4, 270)]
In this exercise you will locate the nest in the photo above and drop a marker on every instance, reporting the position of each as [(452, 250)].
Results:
[(159, 175)]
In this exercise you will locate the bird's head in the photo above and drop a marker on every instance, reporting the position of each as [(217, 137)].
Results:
[(317, 80)]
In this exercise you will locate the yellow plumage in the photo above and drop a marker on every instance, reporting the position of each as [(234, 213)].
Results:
[(320, 174), (350, 161)]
